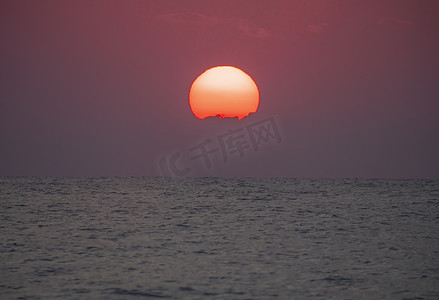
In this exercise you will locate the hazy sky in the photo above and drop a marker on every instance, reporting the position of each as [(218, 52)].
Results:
[(100, 88)]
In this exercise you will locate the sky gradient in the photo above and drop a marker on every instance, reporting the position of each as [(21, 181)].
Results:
[(100, 88)]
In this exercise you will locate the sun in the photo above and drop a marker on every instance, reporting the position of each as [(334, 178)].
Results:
[(225, 92)]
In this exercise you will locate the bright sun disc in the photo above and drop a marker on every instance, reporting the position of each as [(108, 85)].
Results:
[(223, 91)]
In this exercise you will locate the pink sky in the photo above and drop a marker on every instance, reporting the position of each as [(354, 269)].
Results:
[(100, 88)]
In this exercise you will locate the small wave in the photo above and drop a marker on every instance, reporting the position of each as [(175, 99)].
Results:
[(119, 291)]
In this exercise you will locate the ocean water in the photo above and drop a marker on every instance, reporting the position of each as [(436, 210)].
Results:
[(213, 238)]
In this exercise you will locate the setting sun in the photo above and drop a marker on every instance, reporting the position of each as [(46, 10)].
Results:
[(223, 91)]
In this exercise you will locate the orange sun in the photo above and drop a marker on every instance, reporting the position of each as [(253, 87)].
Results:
[(223, 91)]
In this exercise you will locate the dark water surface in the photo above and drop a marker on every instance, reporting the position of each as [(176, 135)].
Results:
[(211, 238)]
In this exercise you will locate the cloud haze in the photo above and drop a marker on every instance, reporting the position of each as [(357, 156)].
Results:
[(244, 26), (384, 21)]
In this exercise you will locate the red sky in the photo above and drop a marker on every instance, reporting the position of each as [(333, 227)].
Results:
[(100, 88)]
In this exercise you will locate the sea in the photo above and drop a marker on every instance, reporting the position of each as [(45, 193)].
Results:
[(218, 238)]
